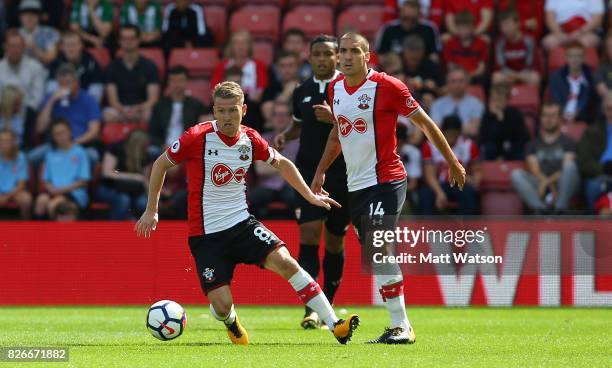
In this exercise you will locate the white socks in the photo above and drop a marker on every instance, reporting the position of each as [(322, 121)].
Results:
[(228, 320), (391, 289), (310, 293)]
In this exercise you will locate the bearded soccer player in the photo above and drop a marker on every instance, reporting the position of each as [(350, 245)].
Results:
[(308, 99), (222, 233), (365, 105)]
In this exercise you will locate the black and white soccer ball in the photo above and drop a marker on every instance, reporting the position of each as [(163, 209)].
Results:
[(166, 320)]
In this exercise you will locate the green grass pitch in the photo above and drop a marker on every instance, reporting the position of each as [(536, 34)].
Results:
[(446, 337)]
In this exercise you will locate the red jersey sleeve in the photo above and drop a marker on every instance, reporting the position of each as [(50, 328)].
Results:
[(426, 151), (262, 75), (183, 149), (261, 149), (405, 104)]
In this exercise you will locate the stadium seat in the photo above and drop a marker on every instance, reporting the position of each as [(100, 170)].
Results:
[(239, 3), (366, 20), (574, 130), (216, 20), (477, 91), (347, 3), (199, 61), (101, 55), (115, 132), (156, 55), (262, 21), (224, 3), (264, 51), (496, 174), (525, 98), (293, 3), (313, 20), (556, 58), (506, 203), (200, 89)]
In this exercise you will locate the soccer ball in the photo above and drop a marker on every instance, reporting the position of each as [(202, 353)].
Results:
[(166, 320)]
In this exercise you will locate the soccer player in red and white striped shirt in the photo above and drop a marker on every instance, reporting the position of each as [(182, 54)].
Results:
[(365, 105), (222, 233)]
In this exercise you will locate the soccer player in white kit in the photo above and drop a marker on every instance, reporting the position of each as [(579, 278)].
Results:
[(222, 233), (365, 105)]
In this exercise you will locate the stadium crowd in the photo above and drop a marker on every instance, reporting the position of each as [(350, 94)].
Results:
[(91, 91)]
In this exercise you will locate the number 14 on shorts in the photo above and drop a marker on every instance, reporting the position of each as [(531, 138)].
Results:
[(376, 209)]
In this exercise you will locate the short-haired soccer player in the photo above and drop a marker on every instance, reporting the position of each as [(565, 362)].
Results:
[(365, 105), (222, 233)]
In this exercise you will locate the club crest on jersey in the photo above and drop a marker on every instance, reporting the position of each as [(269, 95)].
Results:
[(222, 174), (364, 102), (345, 126), (209, 274), (244, 152), (411, 102)]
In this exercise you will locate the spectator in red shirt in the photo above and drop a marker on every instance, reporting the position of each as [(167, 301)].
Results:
[(530, 13), (466, 49), (514, 53), (239, 51), (481, 10)]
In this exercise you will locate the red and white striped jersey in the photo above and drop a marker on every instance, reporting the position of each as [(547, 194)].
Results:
[(216, 169), (367, 118), (465, 149)]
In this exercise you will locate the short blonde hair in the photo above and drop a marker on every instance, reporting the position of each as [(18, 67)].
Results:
[(228, 90)]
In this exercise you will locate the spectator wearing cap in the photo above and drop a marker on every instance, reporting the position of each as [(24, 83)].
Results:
[(503, 134), (76, 106), (90, 74), (22, 71), (595, 155), (51, 14), (458, 102), (437, 191), (551, 178), (93, 19), (132, 81), (392, 35), (41, 41)]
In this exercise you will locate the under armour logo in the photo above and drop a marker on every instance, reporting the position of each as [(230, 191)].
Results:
[(337, 101), (377, 222), (211, 152)]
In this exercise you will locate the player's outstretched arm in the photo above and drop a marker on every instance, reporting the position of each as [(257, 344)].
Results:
[(148, 220), (291, 174), (435, 136), (332, 150)]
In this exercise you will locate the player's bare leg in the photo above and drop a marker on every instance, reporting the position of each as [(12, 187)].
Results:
[(281, 262), (222, 308), (310, 234)]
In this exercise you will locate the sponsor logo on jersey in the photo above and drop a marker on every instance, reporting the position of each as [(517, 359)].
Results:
[(364, 102), (222, 174), (345, 126), (175, 147), (244, 152)]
